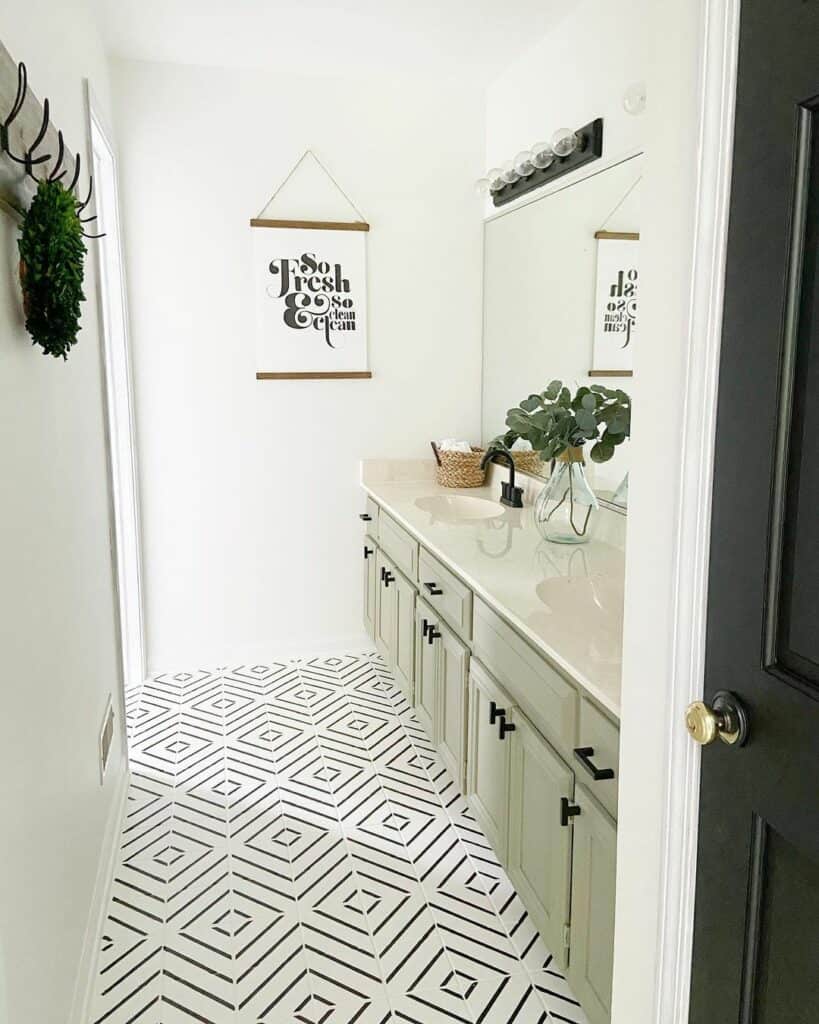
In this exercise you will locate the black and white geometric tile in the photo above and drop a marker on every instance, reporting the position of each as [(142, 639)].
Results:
[(294, 852)]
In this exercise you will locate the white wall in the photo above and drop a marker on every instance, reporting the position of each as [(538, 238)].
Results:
[(57, 632), (578, 71), (252, 544)]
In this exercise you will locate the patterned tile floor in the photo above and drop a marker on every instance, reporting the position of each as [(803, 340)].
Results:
[(294, 851)]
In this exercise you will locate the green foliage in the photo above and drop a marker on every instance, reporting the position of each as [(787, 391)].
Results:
[(51, 268), (556, 420)]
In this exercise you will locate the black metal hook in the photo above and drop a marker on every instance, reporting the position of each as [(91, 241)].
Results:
[(19, 100), (82, 205), (53, 175), (30, 160), (76, 176)]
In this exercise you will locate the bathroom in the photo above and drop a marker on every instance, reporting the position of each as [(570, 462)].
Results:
[(315, 708)]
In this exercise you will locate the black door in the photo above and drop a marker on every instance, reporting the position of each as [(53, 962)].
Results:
[(756, 932)]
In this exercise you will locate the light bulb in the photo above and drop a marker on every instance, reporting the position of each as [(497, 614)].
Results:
[(482, 185), (542, 155), (496, 181), (524, 164), (564, 142), (509, 174)]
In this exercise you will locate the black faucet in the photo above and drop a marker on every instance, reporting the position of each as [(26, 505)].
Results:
[(510, 495)]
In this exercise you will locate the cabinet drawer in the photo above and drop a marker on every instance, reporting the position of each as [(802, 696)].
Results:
[(446, 593), (370, 518), (547, 699), (598, 748), (398, 544)]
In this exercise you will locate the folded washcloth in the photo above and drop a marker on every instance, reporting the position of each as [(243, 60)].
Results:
[(451, 445), (521, 445)]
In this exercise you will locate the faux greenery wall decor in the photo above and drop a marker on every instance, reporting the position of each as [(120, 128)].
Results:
[(556, 420), (52, 254)]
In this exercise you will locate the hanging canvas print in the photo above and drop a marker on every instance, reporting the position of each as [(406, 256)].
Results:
[(616, 304), (311, 299)]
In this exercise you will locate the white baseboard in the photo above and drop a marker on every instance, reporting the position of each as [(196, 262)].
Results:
[(87, 968)]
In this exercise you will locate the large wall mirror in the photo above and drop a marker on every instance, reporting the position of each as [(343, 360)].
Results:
[(540, 276)]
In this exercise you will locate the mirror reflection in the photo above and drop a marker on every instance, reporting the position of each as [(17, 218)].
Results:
[(560, 304)]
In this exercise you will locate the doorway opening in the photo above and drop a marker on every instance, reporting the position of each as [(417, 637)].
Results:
[(118, 400)]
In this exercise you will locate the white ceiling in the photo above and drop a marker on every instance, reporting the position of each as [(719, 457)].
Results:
[(468, 39)]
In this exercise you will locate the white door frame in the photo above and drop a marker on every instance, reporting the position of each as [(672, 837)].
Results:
[(679, 867), (678, 761), (95, 119)]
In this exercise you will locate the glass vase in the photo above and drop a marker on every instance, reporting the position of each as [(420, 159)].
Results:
[(564, 508)]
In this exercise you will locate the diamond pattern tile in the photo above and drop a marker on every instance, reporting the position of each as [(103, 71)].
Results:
[(295, 851)]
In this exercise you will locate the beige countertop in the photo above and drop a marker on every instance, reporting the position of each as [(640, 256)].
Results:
[(567, 600)]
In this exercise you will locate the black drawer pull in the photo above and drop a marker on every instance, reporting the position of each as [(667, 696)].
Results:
[(367, 551), (504, 727), (432, 635), (388, 578), (434, 589), (495, 712), (584, 756), (424, 627), (366, 517), (567, 810)]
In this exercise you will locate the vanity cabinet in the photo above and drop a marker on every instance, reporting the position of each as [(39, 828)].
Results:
[(487, 769), (384, 607), (403, 647), (534, 753), (555, 839), (594, 869), (370, 590), (441, 681), (539, 859), (394, 616), (451, 686)]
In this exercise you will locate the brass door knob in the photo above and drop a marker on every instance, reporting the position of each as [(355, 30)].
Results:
[(726, 718)]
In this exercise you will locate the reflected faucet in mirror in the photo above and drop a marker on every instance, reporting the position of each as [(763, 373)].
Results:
[(510, 494)]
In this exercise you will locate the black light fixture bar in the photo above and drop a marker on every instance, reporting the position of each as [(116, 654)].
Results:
[(590, 148)]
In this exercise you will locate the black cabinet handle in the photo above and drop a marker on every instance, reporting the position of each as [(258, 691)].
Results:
[(367, 551), (495, 712), (388, 578), (383, 572), (584, 756), (366, 517), (433, 634), (424, 627), (504, 727), (434, 589), (567, 810)]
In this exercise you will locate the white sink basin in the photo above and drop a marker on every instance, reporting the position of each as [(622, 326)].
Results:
[(459, 508)]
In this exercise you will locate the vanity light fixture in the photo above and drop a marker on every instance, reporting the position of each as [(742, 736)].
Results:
[(566, 151)]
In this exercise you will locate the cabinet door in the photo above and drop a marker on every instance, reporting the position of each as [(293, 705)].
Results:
[(488, 761), (370, 587), (384, 607), (403, 648), (426, 670), (594, 864), (452, 687), (540, 848)]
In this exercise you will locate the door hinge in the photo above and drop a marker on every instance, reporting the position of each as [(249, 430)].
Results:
[(567, 937)]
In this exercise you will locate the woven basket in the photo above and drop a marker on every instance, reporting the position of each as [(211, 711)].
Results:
[(528, 462), (459, 469)]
